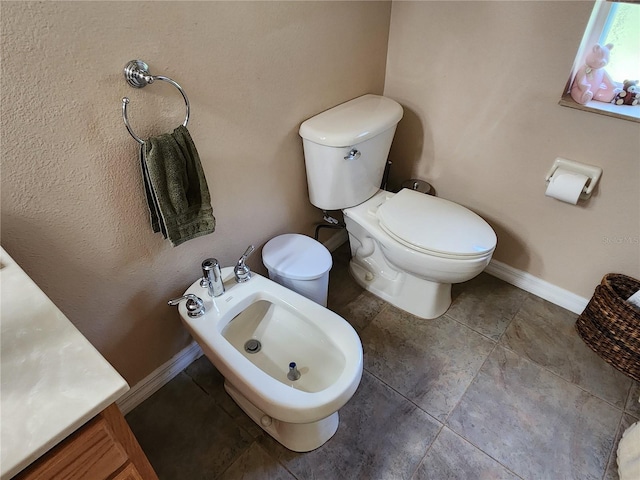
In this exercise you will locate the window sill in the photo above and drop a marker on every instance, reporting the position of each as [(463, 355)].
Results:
[(624, 112)]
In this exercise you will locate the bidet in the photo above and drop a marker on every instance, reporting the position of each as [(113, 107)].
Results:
[(253, 331)]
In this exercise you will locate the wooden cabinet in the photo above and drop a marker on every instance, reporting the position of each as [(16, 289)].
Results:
[(103, 449)]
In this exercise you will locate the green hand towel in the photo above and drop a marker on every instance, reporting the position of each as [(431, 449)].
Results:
[(176, 188), (152, 202)]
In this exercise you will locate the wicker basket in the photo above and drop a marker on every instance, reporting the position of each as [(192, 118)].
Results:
[(610, 325)]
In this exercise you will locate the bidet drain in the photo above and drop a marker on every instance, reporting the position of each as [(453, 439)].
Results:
[(252, 346)]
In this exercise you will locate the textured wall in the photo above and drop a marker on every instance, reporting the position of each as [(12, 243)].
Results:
[(480, 83), (73, 209)]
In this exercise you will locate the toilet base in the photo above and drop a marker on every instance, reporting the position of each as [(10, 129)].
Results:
[(298, 437), (418, 296)]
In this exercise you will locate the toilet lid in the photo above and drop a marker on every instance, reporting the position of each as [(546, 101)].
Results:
[(296, 257), (435, 225)]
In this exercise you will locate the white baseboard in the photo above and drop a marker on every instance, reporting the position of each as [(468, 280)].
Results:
[(541, 288), (158, 378)]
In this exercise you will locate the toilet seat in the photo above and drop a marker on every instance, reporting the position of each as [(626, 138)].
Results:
[(435, 226)]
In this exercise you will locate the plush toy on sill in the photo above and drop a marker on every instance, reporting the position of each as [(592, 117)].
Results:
[(630, 94), (592, 82)]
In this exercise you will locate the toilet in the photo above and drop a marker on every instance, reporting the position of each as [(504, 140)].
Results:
[(253, 332), (407, 248)]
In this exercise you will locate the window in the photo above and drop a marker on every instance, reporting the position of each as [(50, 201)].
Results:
[(617, 23), (622, 29)]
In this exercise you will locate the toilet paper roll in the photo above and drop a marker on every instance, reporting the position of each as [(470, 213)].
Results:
[(566, 185)]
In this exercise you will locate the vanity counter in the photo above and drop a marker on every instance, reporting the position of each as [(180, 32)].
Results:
[(52, 380)]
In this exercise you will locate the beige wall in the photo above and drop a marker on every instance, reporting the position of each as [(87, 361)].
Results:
[(73, 209), (480, 83)]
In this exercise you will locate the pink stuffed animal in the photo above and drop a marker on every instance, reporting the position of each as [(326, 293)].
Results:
[(592, 82)]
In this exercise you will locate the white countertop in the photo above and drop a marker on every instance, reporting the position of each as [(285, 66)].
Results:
[(52, 380)]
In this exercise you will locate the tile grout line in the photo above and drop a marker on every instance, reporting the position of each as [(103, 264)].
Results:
[(462, 324), (219, 407), (506, 347), (622, 412), (384, 308), (613, 446), (495, 340), (232, 463), (277, 460), (413, 474), (557, 375), (487, 454), (442, 425), (446, 422), (623, 408), (496, 343), (626, 402), (407, 399), (198, 385), (614, 453)]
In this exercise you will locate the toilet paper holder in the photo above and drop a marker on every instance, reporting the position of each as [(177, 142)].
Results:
[(590, 171)]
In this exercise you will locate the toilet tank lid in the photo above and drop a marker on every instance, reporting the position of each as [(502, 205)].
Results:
[(296, 257), (352, 122)]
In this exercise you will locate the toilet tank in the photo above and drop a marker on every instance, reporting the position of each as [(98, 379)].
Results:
[(346, 150)]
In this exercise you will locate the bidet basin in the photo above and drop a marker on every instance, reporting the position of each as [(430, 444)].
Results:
[(254, 332), (282, 341)]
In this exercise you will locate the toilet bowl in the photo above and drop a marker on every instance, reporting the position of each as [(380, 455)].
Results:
[(411, 261), (254, 331), (407, 248)]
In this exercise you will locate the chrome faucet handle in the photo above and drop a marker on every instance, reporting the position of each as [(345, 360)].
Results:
[(195, 305), (242, 272), (212, 277)]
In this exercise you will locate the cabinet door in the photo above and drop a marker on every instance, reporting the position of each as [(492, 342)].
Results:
[(103, 449), (127, 439), (91, 452), (129, 473)]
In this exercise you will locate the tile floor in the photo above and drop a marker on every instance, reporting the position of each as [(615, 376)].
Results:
[(500, 387)]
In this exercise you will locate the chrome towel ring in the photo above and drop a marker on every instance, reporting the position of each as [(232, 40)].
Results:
[(136, 72)]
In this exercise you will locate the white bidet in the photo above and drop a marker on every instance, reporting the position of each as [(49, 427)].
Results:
[(254, 331)]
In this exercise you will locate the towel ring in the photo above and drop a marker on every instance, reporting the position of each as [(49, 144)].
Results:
[(136, 73)]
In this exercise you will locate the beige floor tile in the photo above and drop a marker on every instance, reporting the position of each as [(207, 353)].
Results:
[(535, 423), (545, 334)]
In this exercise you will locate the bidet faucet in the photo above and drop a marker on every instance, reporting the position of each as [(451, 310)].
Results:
[(212, 277), (241, 271), (195, 305)]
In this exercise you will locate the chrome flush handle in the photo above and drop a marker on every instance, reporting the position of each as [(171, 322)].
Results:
[(353, 154)]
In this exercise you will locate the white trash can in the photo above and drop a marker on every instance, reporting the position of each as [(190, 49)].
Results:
[(300, 263)]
